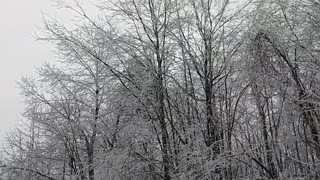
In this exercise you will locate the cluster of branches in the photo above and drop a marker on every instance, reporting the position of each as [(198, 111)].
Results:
[(174, 89)]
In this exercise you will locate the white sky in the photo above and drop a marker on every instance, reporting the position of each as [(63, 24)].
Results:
[(20, 53)]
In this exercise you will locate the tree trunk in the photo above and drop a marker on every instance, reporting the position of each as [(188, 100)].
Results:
[(272, 170)]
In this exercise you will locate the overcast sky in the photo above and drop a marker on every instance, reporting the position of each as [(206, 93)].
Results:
[(20, 53)]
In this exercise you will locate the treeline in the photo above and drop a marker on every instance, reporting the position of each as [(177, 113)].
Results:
[(174, 89)]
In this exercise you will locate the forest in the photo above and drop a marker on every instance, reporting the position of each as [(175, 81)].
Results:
[(173, 90)]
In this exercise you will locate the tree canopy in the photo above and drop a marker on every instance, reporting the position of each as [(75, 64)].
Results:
[(174, 89)]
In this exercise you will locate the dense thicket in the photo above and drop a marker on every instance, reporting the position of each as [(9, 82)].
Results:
[(174, 89)]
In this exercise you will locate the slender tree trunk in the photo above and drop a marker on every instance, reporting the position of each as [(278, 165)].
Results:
[(272, 170), (163, 126)]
